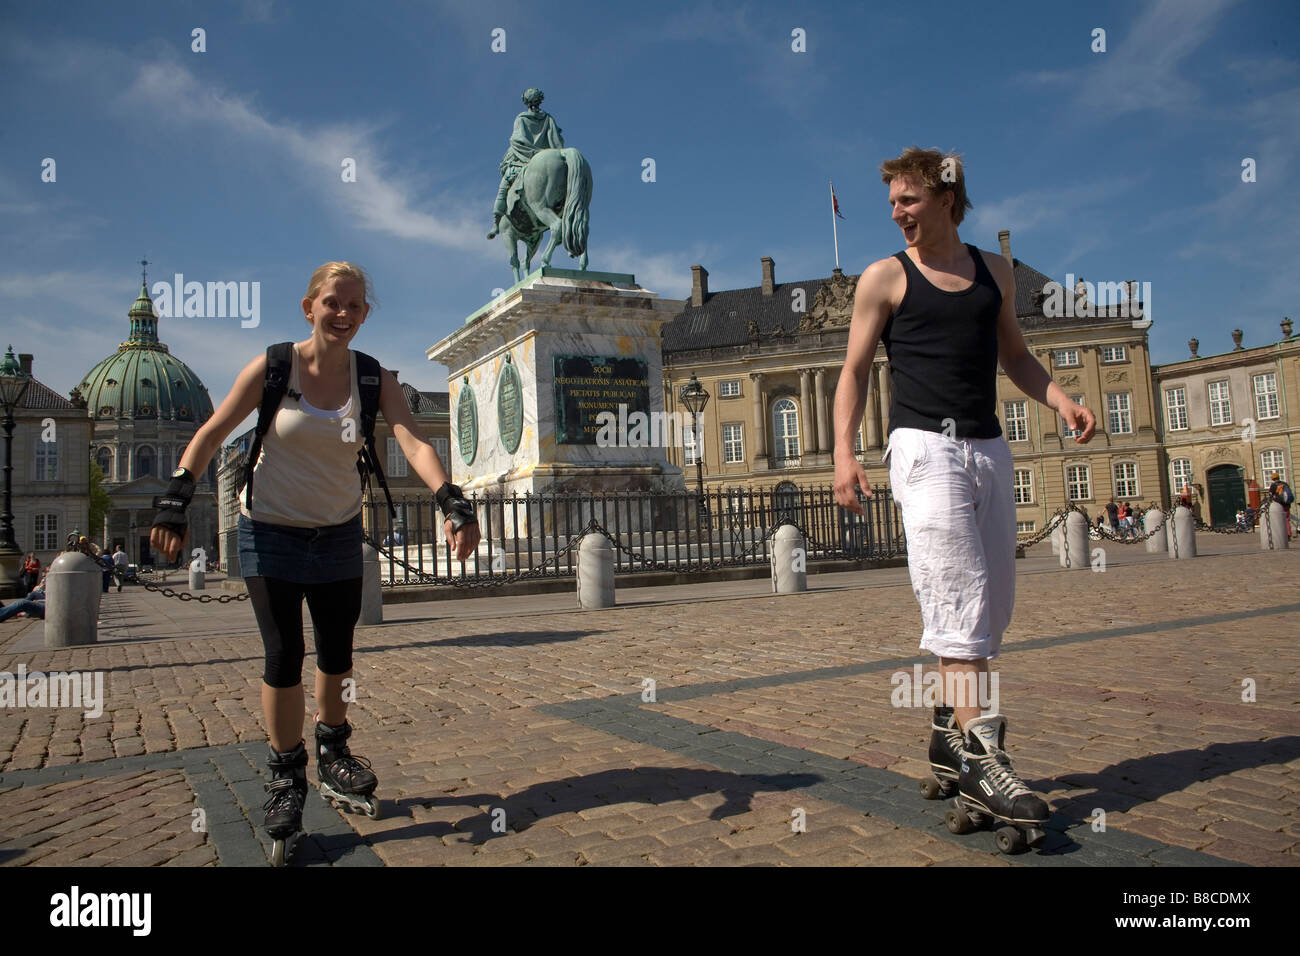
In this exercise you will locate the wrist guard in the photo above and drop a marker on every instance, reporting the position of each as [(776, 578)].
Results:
[(454, 506), (171, 505)]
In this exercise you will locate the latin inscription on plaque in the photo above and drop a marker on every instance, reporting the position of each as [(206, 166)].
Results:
[(510, 407), (467, 424), (586, 385)]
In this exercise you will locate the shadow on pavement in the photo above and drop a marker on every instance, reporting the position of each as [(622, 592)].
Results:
[(648, 785)]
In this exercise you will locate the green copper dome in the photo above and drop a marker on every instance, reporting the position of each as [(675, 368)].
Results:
[(142, 379)]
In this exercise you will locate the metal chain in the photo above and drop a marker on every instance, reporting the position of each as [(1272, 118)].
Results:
[(188, 596)]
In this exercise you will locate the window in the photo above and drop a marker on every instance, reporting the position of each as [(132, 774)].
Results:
[(1016, 415), (1118, 414), (1114, 353), (1078, 482), (442, 447), (143, 461), (45, 531), (1024, 485), (1176, 408), (733, 447), (1065, 358), (785, 431), (1024, 527), (46, 459), (1126, 479), (1220, 404), (104, 458), (396, 467), (688, 445), (729, 389), (1266, 395), (1180, 474), (857, 442), (1065, 429), (1271, 461)]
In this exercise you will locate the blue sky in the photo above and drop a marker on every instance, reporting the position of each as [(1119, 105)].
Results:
[(225, 165)]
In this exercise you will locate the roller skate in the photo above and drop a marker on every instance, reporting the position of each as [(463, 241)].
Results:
[(989, 791), (945, 756), (345, 780), (288, 793)]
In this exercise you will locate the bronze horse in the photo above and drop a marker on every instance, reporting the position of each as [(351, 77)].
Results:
[(553, 191)]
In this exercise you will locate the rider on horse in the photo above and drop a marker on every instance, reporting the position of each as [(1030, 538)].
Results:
[(535, 130)]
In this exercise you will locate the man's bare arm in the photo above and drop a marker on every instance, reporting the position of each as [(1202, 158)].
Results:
[(871, 309)]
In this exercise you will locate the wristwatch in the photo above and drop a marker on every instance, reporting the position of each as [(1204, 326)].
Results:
[(184, 473)]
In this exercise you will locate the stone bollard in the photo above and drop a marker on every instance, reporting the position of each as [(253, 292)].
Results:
[(789, 561), (1058, 538), (196, 574), (372, 597), (1272, 528), (73, 589), (1075, 552), (1184, 533), (1153, 523), (595, 571)]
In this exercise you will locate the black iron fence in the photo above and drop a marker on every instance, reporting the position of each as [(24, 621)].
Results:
[(532, 536)]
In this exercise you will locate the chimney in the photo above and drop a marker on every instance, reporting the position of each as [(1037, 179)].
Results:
[(699, 285), (769, 279), (1004, 240), (25, 360)]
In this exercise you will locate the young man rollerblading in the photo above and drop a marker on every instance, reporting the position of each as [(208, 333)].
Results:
[(945, 312)]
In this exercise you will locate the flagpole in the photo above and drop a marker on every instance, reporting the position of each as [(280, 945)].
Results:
[(834, 230)]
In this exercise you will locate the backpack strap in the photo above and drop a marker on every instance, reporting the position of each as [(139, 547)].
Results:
[(369, 386), (279, 365)]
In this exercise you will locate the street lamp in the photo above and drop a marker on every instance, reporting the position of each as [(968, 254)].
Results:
[(694, 397), (13, 385)]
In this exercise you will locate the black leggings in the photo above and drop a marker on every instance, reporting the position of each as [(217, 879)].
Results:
[(277, 604)]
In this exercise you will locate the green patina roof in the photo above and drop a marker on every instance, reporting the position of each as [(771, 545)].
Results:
[(142, 379)]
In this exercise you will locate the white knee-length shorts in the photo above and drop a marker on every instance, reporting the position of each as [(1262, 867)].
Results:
[(960, 520)]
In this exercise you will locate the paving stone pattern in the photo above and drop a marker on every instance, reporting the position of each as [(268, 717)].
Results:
[(521, 730)]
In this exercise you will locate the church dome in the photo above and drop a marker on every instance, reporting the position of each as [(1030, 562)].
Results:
[(142, 379)]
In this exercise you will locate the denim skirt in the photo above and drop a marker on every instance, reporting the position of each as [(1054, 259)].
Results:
[(301, 555)]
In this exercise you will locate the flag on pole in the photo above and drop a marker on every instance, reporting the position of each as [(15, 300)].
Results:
[(835, 203)]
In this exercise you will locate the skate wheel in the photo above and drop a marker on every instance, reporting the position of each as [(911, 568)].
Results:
[(277, 853), (1010, 840), (372, 808), (958, 821), (930, 789)]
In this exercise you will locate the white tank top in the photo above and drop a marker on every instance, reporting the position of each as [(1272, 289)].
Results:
[(306, 475)]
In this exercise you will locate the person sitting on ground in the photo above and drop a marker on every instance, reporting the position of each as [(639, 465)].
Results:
[(32, 605)]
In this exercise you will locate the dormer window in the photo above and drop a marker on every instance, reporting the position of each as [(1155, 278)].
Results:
[(147, 382)]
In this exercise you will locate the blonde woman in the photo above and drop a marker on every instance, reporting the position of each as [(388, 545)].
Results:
[(300, 535)]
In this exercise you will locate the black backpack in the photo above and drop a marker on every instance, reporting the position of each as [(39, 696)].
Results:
[(279, 363)]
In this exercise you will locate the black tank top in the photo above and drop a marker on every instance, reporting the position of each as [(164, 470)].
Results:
[(943, 354)]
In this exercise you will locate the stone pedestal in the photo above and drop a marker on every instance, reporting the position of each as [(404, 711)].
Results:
[(529, 376)]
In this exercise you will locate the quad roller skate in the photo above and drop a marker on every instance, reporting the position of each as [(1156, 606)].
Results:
[(288, 793), (345, 781), (945, 756), (988, 790)]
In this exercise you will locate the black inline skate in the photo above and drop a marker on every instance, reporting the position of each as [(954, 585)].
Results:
[(288, 793), (345, 780), (945, 755), (988, 790)]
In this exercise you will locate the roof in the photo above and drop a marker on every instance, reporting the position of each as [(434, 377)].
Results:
[(42, 396), (724, 318), (425, 403)]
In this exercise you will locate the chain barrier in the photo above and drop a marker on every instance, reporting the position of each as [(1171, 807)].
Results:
[(187, 595)]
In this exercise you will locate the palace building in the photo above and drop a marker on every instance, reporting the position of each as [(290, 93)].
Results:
[(770, 357)]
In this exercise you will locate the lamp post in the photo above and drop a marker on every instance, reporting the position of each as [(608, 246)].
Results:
[(694, 397), (13, 385)]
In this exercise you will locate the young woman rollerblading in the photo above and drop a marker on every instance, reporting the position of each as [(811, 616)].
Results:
[(945, 312), (300, 531)]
